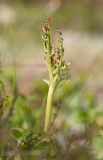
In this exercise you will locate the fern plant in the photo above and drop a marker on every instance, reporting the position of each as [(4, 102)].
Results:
[(59, 71)]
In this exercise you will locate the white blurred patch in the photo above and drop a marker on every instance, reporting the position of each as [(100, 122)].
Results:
[(83, 49), (7, 14), (52, 6)]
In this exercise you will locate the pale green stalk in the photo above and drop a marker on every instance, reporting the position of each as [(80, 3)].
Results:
[(49, 107), (51, 87)]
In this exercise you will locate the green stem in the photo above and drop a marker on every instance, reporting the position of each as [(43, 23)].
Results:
[(49, 107)]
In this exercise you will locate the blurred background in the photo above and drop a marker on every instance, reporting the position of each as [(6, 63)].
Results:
[(81, 22)]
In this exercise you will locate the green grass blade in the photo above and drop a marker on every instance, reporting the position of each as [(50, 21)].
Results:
[(14, 81), (2, 85)]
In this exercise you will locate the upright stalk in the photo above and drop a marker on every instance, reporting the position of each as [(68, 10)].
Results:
[(58, 70), (49, 107)]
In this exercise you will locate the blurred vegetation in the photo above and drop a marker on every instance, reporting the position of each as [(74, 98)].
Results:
[(76, 128), (77, 120)]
